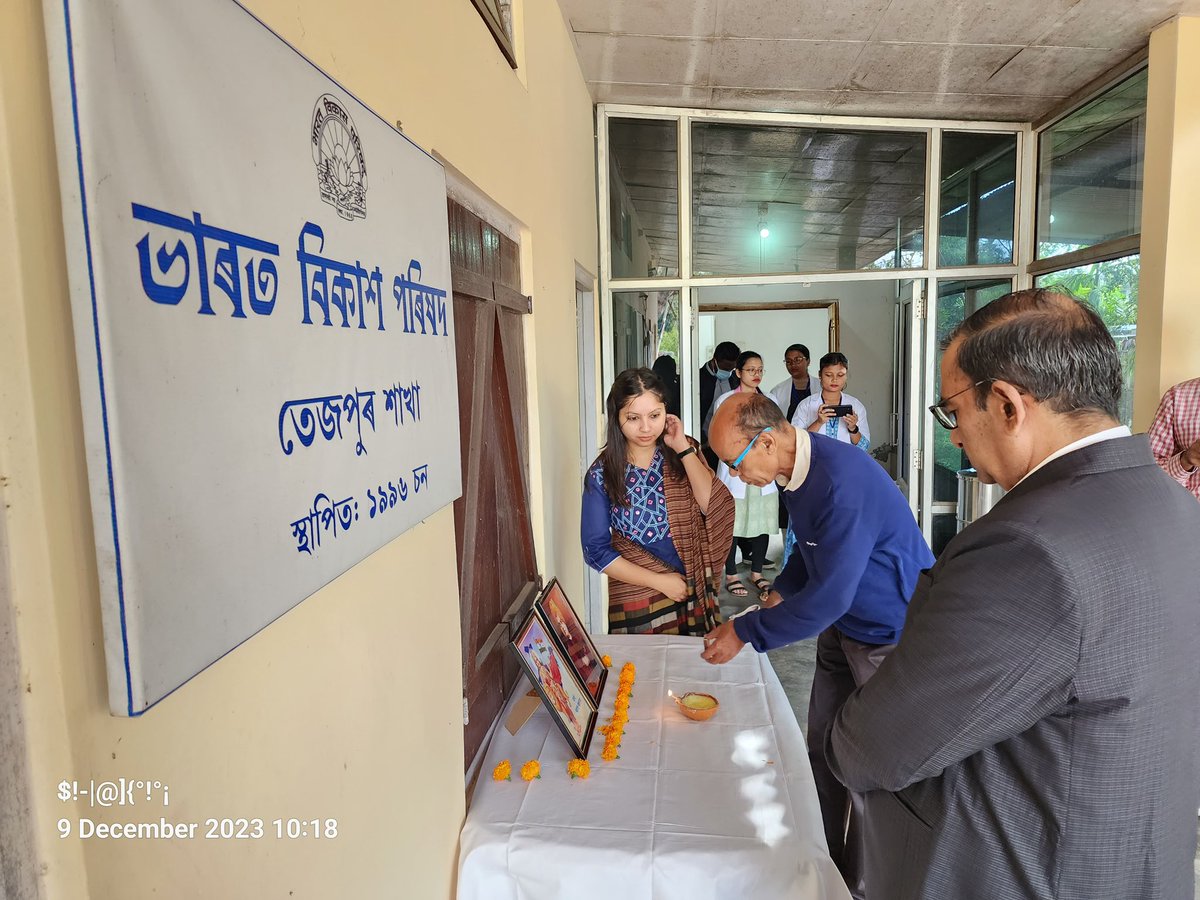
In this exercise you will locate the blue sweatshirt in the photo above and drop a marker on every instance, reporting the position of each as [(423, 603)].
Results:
[(858, 554)]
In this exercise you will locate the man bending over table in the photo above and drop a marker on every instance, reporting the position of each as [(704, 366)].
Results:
[(856, 563)]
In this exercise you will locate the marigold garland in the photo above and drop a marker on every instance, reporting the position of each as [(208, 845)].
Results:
[(503, 771), (615, 729), (531, 770), (607, 660), (579, 768)]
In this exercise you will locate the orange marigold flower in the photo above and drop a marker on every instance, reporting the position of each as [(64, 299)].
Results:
[(579, 768), (503, 771), (531, 770), (607, 660), (609, 754)]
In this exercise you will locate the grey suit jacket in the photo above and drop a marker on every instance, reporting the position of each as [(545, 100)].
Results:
[(1035, 732)]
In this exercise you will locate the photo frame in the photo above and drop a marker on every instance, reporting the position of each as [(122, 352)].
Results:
[(553, 676), (572, 638)]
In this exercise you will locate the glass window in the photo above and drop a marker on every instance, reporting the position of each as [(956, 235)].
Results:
[(1110, 288), (956, 300), (645, 327), (1090, 171), (778, 199), (643, 198), (978, 197)]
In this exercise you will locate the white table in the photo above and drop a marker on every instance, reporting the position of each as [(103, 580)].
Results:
[(718, 809)]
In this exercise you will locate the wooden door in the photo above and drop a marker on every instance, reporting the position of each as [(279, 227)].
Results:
[(497, 572)]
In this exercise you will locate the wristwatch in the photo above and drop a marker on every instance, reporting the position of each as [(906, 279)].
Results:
[(686, 452), (853, 430)]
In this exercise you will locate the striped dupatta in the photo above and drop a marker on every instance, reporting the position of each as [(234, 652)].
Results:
[(702, 541)]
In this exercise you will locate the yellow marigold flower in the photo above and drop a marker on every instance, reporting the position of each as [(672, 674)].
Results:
[(531, 770), (579, 768), (503, 771), (609, 754), (607, 660)]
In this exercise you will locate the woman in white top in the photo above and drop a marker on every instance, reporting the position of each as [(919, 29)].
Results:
[(756, 510), (819, 413)]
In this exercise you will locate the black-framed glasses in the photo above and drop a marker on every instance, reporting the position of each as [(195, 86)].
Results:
[(737, 462), (948, 418)]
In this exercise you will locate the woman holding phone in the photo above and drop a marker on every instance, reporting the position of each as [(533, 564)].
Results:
[(833, 412)]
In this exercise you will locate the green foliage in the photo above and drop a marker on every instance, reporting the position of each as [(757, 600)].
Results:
[(1110, 288)]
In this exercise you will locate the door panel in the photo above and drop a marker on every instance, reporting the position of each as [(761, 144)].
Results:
[(497, 570)]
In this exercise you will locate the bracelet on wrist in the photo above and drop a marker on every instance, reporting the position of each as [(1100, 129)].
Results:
[(686, 452), (853, 430)]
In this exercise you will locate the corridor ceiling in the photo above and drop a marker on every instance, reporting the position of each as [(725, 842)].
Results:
[(836, 200), (1006, 60)]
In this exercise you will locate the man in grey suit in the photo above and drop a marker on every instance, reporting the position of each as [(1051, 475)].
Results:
[(1035, 732)]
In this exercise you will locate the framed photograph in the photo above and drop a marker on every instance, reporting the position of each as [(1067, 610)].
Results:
[(572, 638), (551, 672)]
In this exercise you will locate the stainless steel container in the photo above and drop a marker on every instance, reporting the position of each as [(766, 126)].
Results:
[(975, 498)]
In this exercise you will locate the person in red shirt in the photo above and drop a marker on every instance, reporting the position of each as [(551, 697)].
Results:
[(1175, 434)]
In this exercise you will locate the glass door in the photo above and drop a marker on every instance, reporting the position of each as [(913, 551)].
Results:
[(910, 338), (956, 299)]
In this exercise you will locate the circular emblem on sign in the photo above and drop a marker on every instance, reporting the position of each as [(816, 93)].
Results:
[(338, 154)]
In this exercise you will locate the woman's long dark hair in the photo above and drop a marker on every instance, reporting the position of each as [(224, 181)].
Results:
[(628, 385)]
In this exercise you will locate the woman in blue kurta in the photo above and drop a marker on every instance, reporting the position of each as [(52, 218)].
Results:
[(654, 518)]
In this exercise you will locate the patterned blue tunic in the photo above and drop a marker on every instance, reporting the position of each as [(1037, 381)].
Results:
[(644, 521)]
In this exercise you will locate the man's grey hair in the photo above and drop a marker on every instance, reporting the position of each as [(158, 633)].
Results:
[(757, 413), (1049, 345)]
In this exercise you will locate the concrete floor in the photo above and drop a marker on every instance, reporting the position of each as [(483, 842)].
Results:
[(794, 664)]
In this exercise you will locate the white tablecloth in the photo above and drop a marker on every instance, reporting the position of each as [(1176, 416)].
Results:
[(718, 809)]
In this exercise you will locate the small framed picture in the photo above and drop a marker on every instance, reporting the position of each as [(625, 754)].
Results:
[(572, 638), (551, 672)]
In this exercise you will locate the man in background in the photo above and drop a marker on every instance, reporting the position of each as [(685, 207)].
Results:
[(789, 392), (857, 558), (1175, 434), (714, 380), (1033, 735)]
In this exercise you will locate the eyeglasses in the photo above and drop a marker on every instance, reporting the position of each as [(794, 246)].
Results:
[(757, 371), (948, 418), (733, 465)]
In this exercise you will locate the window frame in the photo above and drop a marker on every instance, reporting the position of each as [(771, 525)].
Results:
[(497, 14), (1104, 251)]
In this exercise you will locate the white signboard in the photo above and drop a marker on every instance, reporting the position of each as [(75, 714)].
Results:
[(260, 282)]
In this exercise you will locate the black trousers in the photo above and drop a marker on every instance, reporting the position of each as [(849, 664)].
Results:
[(843, 664), (754, 551)]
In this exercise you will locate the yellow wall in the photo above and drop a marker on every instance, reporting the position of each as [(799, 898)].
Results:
[(338, 709), (1168, 346)]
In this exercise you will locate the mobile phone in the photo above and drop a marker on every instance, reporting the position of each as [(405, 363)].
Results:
[(842, 409)]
